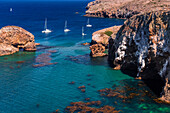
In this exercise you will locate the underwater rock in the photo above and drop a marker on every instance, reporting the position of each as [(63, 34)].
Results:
[(12, 38), (81, 87), (87, 99), (52, 51), (83, 107), (43, 59), (72, 82), (83, 90), (20, 62), (85, 44)]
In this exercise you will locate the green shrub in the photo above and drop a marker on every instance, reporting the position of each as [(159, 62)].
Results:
[(108, 33)]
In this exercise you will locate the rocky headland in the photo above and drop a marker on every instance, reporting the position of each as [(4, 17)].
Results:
[(141, 46), (100, 41), (13, 38), (123, 9)]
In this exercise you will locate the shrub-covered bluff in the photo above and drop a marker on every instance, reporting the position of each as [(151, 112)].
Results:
[(124, 8)]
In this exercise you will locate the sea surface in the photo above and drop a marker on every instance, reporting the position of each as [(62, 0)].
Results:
[(28, 89)]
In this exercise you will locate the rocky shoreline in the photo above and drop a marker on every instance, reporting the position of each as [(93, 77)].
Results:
[(14, 38), (141, 46), (124, 9)]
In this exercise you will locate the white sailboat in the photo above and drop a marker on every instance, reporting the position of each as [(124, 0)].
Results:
[(10, 9), (88, 23), (83, 34), (65, 28), (45, 28)]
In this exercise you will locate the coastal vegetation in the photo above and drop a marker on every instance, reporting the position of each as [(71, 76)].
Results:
[(108, 33)]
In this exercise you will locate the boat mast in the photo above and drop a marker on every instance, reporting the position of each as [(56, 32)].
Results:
[(88, 21), (45, 27), (82, 30), (65, 24)]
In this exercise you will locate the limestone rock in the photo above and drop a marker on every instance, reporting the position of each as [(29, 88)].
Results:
[(6, 49), (166, 92), (124, 8), (101, 37), (30, 46), (14, 38), (142, 45), (97, 50)]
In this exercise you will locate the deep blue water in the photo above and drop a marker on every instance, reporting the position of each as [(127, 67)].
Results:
[(22, 86)]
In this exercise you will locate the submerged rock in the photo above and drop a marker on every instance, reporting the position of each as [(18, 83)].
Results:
[(43, 59), (12, 38), (82, 107)]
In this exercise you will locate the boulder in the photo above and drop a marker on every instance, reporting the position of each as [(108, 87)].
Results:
[(97, 50), (14, 38)]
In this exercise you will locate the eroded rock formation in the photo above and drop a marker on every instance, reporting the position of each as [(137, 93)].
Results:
[(143, 45), (100, 40), (97, 50), (124, 8), (12, 38), (102, 36)]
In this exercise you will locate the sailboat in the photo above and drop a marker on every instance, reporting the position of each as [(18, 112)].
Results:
[(83, 34), (65, 28), (45, 28), (88, 23), (10, 9)]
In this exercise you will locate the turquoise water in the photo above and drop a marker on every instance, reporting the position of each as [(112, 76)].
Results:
[(26, 89)]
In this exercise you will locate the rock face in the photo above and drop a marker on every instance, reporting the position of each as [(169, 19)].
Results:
[(100, 40), (6, 49), (143, 45), (124, 8), (12, 38)]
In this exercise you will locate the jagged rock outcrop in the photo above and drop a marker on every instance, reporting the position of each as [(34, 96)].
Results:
[(100, 40), (143, 45), (12, 38), (97, 50), (6, 49), (101, 36), (166, 92), (124, 8)]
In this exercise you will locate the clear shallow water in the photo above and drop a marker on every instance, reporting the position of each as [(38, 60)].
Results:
[(22, 86)]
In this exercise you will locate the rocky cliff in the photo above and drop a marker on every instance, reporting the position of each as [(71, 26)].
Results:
[(100, 40), (142, 45), (124, 8), (12, 38)]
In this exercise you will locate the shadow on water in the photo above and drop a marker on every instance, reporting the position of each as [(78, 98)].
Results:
[(88, 60), (156, 85)]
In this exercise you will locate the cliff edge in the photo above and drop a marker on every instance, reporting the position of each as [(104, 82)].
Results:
[(142, 45), (124, 8)]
